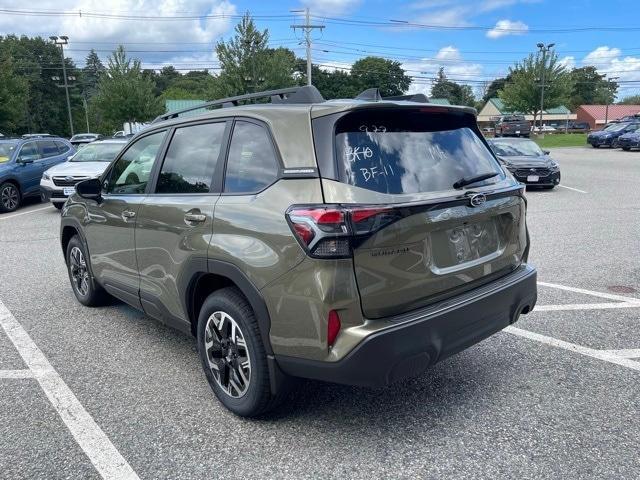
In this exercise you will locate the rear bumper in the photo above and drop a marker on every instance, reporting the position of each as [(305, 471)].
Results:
[(414, 341)]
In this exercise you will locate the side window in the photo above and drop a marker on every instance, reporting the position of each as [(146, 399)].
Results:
[(62, 147), (191, 159), (29, 151), (48, 148), (130, 174), (252, 163)]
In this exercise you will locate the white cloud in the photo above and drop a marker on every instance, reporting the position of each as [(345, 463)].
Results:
[(507, 27), (108, 32), (454, 66), (457, 12), (568, 62), (331, 7), (611, 62)]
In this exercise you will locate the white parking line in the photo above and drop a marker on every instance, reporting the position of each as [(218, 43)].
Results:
[(584, 306), (626, 353), (604, 355), (96, 445), (574, 189), (609, 296), (26, 213)]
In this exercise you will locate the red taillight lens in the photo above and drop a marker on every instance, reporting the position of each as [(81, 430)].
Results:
[(333, 327), (326, 230)]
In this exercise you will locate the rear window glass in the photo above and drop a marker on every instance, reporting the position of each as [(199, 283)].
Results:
[(410, 151)]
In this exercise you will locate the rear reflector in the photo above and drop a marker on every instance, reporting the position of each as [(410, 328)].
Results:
[(333, 327)]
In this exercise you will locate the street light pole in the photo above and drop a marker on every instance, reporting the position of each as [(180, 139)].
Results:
[(61, 41), (544, 49)]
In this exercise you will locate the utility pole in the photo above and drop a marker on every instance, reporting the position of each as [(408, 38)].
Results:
[(307, 28), (61, 41), (544, 49), (606, 110)]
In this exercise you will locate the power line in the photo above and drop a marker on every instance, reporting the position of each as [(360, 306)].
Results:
[(307, 28)]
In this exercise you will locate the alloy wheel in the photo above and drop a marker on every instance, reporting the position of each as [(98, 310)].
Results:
[(227, 354), (79, 272), (9, 197)]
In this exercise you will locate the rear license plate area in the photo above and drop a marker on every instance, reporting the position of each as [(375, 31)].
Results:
[(465, 244)]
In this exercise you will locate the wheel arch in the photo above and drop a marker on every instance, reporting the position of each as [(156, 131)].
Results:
[(220, 274)]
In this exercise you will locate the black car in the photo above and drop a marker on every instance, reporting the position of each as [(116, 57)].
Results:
[(608, 137), (526, 161)]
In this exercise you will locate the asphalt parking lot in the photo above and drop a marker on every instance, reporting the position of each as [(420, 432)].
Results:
[(108, 392)]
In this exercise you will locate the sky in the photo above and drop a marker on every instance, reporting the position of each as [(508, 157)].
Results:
[(475, 41)]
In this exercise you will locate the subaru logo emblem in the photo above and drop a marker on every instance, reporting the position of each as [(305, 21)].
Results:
[(477, 199), (68, 179)]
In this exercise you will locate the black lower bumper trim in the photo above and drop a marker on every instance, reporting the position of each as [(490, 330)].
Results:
[(435, 333)]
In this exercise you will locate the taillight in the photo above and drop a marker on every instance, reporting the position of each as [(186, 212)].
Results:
[(327, 231), (333, 327)]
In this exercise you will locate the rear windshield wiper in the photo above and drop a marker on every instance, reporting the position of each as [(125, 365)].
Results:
[(463, 182)]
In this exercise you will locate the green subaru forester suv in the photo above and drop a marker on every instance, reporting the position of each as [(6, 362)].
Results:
[(352, 241)]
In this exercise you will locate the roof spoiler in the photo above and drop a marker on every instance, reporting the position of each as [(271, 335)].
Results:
[(373, 95), (294, 95)]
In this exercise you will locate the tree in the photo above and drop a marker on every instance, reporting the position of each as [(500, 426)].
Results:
[(590, 88), (91, 73), (45, 108), (632, 100), (331, 84), (376, 72), (522, 93), (494, 87), (124, 94), (13, 96), (456, 94)]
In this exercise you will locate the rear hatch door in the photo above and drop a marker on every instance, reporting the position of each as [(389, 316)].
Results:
[(423, 240)]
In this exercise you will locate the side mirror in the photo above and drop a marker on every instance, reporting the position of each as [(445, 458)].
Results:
[(546, 152), (90, 189), (25, 160)]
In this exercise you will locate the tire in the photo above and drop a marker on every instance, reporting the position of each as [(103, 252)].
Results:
[(246, 390), (58, 205), (10, 198), (595, 146), (549, 187), (85, 288), (626, 149)]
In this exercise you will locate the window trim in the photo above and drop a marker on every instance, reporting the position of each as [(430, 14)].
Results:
[(276, 151), (35, 142), (216, 184), (133, 141)]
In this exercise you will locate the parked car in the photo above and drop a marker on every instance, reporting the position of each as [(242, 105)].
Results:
[(526, 161), (543, 129), (59, 182), (579, 127), (608, 137), (22, 162), (82, 139), (629, 140), (345, 241), (512, 126)]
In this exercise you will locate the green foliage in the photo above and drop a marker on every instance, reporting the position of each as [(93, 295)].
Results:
[(590, 88), (632, 100), (494, 88), (456, 94), (387, 75), (45, 109), (336, 84), (522, 92), (124, 94), (13, 96)]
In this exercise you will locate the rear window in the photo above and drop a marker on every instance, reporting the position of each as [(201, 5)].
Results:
[(410, 151)]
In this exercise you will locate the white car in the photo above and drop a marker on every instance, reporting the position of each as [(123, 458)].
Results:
[(91, 161), (544, 129)]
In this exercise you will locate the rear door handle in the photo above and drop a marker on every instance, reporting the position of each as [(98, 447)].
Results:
[(194, 217), (127, 214)]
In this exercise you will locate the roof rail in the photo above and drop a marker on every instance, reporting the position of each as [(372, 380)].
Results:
[(373, 95), (293, 95)]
